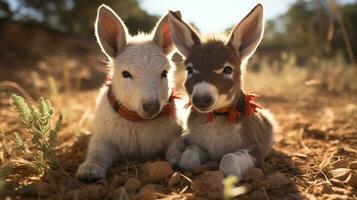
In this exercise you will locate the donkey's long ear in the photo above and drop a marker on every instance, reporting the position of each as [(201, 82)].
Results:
[(182, 34), (246, 36), (162, 35), (110, 31)]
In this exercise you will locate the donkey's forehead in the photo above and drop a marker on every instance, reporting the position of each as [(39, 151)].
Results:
[(211, 55), (142, 56)]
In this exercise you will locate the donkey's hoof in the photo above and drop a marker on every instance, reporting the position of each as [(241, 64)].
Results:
[(229, 165), (90, 172), (191, 157)]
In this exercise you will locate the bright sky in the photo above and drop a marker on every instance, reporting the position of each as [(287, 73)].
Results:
[(213, 16)]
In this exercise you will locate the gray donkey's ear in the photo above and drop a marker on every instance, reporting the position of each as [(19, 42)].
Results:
[(182, 34), (110, 31), (246, 36)]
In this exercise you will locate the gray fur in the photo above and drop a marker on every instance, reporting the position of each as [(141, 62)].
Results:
[(237, 146)]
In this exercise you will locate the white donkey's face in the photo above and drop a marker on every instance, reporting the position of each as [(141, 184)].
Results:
[(139, 63), (140, 77)]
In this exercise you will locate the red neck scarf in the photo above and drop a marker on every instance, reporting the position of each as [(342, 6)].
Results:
[(245, 107), (169, 109)]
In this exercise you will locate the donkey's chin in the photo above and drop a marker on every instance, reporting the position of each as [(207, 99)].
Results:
[(205, 110), (146, 116)]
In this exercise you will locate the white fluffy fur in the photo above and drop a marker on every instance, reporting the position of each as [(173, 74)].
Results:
[(115, 137), (215, 137), (145, 61)]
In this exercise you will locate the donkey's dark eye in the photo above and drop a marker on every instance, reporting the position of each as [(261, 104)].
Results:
[(227, 70), (164, 74), (189, 70), (126, 74)]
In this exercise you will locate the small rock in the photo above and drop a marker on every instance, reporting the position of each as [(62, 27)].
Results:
[(190, 196), (353, 165), (157, 171), (257, 195), (340, 173), (132, 184), (200, 169), (209, 185), (212, 165), (253, 174), (276, 180), (87, 192), (147, 192), (243, 197), (45, 189), (41, 189), (352, 180), (278, 192), (258, 184), (116, 194), (118, 181), (76, 194), (175, 179), (188, 174)]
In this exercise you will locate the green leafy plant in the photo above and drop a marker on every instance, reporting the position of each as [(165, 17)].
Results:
[(38, 122)]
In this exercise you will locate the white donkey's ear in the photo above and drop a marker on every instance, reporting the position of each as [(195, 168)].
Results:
[(110, 31), (246, 36), (182, 34), (162, 35)]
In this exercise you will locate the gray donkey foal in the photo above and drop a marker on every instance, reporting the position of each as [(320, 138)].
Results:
[(214, 86)]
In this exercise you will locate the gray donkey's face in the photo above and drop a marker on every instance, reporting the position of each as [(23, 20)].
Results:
[(139, 64), (214, 66)]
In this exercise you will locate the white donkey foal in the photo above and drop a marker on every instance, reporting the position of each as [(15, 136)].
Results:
[(130, 117)]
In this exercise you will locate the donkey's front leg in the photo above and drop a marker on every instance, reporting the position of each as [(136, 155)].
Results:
[(193, 156), (237, 163), (174, 151), (100, 157)]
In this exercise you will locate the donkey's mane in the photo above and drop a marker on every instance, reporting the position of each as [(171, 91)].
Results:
[(221, 37)]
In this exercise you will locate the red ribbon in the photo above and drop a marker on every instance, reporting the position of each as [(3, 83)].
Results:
[(169, 109), (250, 108)]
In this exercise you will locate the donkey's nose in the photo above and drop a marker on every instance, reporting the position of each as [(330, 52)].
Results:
[(202, 102), (151, 107)]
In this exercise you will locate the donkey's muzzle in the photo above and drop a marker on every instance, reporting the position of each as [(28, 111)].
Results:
[(151, 107), (202, 102)]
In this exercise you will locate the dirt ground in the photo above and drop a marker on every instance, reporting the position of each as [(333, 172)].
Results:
[(314, 157)]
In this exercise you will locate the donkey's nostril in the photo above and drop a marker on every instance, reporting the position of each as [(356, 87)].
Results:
[(202, 101), (207, 99), (151, 107)]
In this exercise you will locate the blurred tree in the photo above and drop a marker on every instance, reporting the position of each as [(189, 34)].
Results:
[(77, 16), (5, 11), (311, 28)]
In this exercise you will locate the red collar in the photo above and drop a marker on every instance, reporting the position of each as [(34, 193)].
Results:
[(245, 106), (169, 109)]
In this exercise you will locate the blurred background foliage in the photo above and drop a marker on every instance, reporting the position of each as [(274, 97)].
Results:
[(75, 17), (313, 42), (313, 28)]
